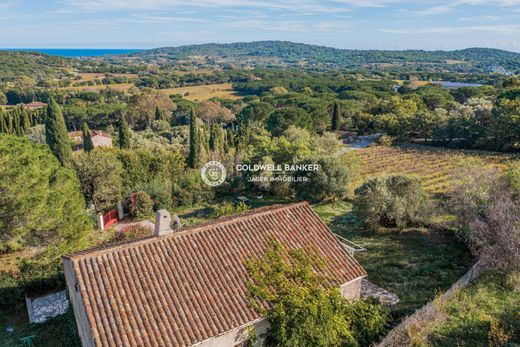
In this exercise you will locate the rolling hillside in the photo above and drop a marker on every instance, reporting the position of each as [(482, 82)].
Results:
[(290, 53)]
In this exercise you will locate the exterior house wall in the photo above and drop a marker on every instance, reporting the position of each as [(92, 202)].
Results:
[(80, 314), (238, 336), (101, 141), (352, 290)]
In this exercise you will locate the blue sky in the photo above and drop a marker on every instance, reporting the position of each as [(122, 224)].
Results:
[(361, 24)]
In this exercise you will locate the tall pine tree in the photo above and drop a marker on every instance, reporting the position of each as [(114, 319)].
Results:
[(56, 134), (124, 133), (335, 116), (193, 158), (88, 145)]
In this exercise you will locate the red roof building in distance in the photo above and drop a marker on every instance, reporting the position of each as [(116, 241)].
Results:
[(188, 287), (35, 105)]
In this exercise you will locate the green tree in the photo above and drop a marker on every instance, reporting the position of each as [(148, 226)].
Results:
[(328, 181), (159, 114), (301, 309), (256, 112), (87, 140), (124, 133), (100, 175), (392, 201), (194, 155), (56, 134), (41, 203), (3, 123), (281, 120), (335, 116), (25, 120), (16, 122), (3, 98)]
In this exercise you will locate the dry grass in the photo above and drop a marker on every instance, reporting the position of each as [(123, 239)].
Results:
[(419, 83), (91, 76), (121, 87), (436, 167), (204, 92)]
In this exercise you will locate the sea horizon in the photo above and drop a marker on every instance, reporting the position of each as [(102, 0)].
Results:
[(77, 52)]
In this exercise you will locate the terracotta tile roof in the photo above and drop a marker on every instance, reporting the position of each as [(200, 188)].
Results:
[(188, 286)]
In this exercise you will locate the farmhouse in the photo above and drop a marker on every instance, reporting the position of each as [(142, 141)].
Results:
[(35, 105), (186, 287), (99, 139)]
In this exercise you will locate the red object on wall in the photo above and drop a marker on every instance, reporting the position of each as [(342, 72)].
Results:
[(110, 218)]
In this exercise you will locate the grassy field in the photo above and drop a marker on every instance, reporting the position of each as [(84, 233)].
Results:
[(436, 167), (485, 314), (204, 92), (415, 264)]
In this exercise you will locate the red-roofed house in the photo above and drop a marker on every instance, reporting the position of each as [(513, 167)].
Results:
[(187, 287)]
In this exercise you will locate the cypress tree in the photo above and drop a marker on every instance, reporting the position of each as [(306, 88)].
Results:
[(124, 133), (9, 122), (335, 116), (3, 123), (25, 121), (56, 134), (87, 140), (17, 130), (213, 137), (193, 158), (158, 114)]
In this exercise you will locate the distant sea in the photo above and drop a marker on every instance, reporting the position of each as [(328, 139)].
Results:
[(75, 52)]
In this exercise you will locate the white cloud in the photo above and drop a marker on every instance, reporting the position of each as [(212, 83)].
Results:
[(507, 29)]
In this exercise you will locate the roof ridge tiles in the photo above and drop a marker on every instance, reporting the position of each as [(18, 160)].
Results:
[(253, 213)]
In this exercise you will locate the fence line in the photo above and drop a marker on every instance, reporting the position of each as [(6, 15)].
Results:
[(428, 314)]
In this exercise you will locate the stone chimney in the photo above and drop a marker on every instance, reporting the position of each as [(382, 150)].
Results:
[(162, 223)]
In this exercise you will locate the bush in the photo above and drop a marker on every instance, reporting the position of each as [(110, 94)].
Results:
[(489, 217), (140, 204), (132, 232), (160, 190), (228, 209), (41, 273), (368, 321), (391, 201), (385, 140), (191, 190), (328, 182), (10, 292)]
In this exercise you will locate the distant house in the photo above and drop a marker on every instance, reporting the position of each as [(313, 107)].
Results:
[(187, 287), (99, 139), (35, 105)]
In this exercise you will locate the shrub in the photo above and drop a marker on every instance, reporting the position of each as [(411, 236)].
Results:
[(385, 140), (132, 232), (328, 182), (368, 320), (160, 190), (392, 201), (140, 204), (489, 217), (228, 209), (191, 189), (10, 292)]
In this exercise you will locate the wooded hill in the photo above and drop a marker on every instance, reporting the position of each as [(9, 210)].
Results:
[(290, 53)]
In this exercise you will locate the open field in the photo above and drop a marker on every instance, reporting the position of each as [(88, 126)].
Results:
[(90, 76), (97, 88), (415, 264), (436, 167), (204, 92)]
